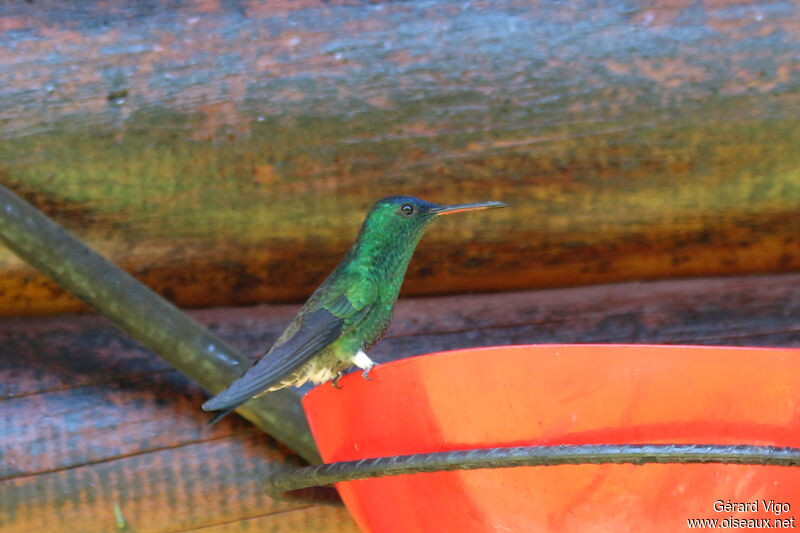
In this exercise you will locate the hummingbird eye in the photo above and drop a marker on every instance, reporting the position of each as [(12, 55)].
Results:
[(407, 210)]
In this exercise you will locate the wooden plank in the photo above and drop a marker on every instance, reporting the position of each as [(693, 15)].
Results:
[(196, 485), (145, 316), (225, 152), (752, 311), (89, 424), (92, 421), (305, 520), (96, 422)]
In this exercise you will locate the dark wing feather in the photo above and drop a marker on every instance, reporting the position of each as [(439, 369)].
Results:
[(319, 329)]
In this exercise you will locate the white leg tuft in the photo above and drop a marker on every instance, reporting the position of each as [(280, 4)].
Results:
[(362, 360)]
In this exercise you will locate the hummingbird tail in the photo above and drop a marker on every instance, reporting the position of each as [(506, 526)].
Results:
[(222, 414)]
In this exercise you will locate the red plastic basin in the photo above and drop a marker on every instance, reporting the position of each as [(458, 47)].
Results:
[(565, 394)]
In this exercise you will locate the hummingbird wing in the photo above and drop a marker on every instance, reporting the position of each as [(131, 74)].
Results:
[(327, 319)]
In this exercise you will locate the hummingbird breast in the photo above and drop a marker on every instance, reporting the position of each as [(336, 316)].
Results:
[(322, 367), (338, 357), (380, 261)]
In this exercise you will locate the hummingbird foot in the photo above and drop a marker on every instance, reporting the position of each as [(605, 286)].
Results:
[(336, 380), (362, 361)]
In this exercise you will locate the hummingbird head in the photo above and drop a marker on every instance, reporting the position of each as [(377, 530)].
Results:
[(400, 221), (406, 215), (393, 228)]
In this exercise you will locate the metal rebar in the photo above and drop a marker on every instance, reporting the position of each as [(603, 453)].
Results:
[(299, 483), (147, 317)]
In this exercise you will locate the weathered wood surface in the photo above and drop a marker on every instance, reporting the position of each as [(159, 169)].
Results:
[(148, 318), (225, 152), (91, 421)]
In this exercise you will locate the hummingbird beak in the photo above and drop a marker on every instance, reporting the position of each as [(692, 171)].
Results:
[(460, 208)]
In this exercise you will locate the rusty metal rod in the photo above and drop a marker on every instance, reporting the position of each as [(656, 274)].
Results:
[(147, 317), (307, 483)]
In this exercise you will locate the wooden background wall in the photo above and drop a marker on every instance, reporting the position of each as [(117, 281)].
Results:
[(225, 152)]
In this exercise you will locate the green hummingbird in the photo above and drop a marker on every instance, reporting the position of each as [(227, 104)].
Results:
[(352, 308)]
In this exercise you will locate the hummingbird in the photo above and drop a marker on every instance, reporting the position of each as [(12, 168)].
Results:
[(352, 308)]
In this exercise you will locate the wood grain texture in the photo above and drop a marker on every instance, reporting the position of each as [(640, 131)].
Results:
[(92, 421), (93, 437), (225, 152)]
